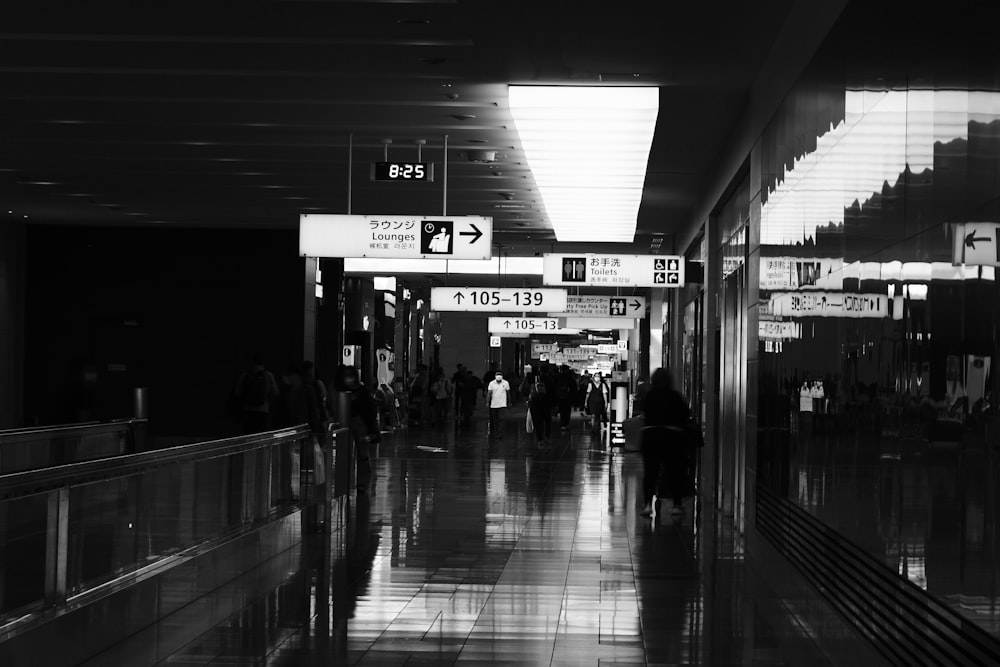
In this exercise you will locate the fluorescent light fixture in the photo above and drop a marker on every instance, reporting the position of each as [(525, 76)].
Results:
[(587, 147)]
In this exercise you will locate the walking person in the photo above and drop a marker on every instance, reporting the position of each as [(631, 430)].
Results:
[(664, 443), (540, 407), (498, 398), (596, 402), (363, 424), (565, 388), (468, 391)]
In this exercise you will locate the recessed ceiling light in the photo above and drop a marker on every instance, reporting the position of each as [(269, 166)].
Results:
[(413, 21), (462, 116), (591, 188), (478, 141), (434, 61)]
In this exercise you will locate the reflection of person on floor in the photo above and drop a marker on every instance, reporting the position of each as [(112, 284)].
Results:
[(664, 446), (352, 571)]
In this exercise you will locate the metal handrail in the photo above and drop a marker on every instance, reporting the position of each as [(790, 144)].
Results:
[(43, 480)]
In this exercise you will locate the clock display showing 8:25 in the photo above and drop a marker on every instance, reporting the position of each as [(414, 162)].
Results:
[(400, 171)]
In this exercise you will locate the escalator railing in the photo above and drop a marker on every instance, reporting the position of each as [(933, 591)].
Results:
[(79, 529), (46, 446)]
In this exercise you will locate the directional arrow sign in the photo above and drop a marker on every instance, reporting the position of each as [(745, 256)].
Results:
[(497, 300), (396, 236), (530, 325), (596, 305), (976, 243)]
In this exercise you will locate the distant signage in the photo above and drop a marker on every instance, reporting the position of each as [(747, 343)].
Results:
[(494, 341), (526, 325), (779, 330), (613, 270), (792, 273), (829, 304), (600, 323), (497, 300), (396, 236), (595, 305)]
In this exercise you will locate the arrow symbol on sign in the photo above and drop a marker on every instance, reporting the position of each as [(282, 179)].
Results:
[(507, 323), (459, 296), (971, 238), (476, 234), (636, 305)]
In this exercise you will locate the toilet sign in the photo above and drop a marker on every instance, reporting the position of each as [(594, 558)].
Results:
[(604, 270)]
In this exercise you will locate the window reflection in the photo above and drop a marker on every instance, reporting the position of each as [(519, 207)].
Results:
[(878, 326)]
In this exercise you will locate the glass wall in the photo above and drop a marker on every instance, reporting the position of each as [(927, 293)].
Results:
[(878, 301)]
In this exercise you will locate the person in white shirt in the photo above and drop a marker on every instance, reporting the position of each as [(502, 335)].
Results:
[(497, 393)]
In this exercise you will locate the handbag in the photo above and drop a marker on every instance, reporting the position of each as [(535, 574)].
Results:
[(529, 425)]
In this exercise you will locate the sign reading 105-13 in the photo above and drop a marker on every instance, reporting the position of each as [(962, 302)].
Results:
[(497, 300)]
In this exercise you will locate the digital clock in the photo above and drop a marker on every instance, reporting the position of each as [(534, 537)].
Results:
[(402, 171)]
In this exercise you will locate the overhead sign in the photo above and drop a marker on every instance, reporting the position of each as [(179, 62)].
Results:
[(543, 348), (595, 305), (396, 236), (784, 330), (494, 341), (497, 300), (976, 243), (599, 269), (828, 304), (791, 273), (528, 325), (602, 323)]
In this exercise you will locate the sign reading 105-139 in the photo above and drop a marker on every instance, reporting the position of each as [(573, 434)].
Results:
[(497, 300)]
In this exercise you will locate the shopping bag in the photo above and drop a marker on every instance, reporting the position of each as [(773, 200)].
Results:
[(529, 426)]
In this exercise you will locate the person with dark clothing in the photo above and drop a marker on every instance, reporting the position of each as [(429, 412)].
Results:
[(596, 403), (467, 392), (456, 382), (363, 423), (255, 389), (565, 389), (664, 442), (488, 376), (540, 406)]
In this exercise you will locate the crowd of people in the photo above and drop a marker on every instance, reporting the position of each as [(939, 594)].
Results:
[(549, 392)]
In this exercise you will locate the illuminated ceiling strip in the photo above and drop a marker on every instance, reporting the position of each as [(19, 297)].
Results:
[(588, 148)]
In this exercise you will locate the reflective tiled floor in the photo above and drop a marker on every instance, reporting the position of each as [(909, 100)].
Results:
[(479, 551)]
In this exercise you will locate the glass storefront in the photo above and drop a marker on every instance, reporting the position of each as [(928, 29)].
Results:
[(878, 310)]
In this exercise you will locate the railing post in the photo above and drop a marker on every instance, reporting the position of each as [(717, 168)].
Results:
[(56, 546)]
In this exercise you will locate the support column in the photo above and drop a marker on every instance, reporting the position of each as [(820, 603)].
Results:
[(656, 319)]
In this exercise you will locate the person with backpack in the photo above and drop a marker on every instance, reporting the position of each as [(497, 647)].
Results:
[(255, 389)]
